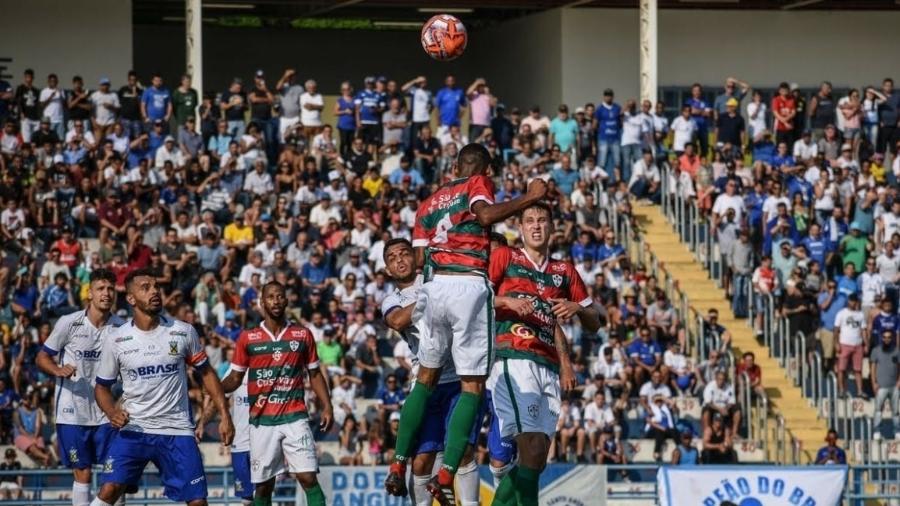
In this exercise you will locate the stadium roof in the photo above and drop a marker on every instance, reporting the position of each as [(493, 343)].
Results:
[(408, 14)]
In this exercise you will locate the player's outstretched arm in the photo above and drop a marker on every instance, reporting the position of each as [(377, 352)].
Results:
[(214, 389), (400, 319), (118, 417), (488, 214), (320, 386), (49, 366)]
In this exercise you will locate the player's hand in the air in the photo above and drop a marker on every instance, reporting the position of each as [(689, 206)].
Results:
[(226, 430), (326, 419)]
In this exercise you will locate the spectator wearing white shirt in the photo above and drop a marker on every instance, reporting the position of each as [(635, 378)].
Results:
[(654, 388), (683, 129), (168, 152), (356, 267), (52, 102), (359, 330), (871, 285), (324, 211), (681, 374), (568, 426), (254, 266), (597, 417), (719, 398), (106, 106), (645, 177), (268, 247), (361, 234), (728, 200), (408, 213), (851, 333), (343, 398), (420, 104), (804, 148), (612, 371), (311, 105), (756, 117), (636, 127), (259, 182)]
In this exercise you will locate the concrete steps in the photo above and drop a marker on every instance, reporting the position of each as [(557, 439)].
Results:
[(801, 420)]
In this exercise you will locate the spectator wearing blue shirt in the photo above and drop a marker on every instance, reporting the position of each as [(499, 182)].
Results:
[(565, 176), (345, 110), (316, 272), (57, 300), (831, 453), (140, 150), (584, 248), (783, 159), (797, 184), (156, 101), (368, 105), (781, 227), (449, 101), (231, 330), (390, 397), (157, 136), (564, 132), (886, 320), (406, 169), (609, 253), (645, 354), (218, 143), (764, 149), (608, 125), (700, 112), (830, 303), (509, 191), (816, 245)]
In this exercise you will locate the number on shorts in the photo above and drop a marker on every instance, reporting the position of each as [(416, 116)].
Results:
[(440, 231)]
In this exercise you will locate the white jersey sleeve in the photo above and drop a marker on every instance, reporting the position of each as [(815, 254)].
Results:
[(240, 416)]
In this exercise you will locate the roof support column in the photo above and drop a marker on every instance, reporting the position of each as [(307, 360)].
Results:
[(193, 19), (648, 50)]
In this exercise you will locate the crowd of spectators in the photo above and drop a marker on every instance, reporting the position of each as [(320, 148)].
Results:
[(221, 192)]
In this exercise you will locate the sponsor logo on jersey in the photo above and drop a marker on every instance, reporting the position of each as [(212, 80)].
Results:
[(522, 331), (129, 352), (254, 336), (178, 333), (69, 410), (87, 354), (197, 480), (153, 370), (124, 338), (276, 355), (560, 267), (173, 348), (305, 440)]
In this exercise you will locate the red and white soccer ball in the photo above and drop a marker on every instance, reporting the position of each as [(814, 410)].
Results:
[(444, 37)]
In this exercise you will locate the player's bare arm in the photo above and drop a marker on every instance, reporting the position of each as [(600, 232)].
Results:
[(320, 386), (232, 381), (117, 416), (522, 306), (400, 319), (212, 385), (587, 315), (49, 366), (488, 214), (566, 373)]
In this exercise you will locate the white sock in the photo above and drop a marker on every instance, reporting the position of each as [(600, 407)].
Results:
[(500, 472), (468, 484), (99, 502), (121, 501), (246, 502), (418, 494), (81, 494)]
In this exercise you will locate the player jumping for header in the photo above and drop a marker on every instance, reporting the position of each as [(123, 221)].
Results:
[(454, 313), (397, 309), (533, 292), (82, 430), (277, 354), (151, 354)]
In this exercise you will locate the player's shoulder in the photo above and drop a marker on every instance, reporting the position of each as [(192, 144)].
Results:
[(72, 319), (252, 334), (298, 331), (115, 321)]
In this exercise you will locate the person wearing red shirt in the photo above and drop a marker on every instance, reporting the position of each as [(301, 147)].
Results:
[(689, 161), (69, 248), (754, 373), (784, 109), (114, 217)]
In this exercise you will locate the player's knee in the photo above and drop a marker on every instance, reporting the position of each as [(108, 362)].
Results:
[(198, 502), (307, 480), (428, 376), (82, 475), (500, 469), (423, 464), (265, 488), (473, 384)]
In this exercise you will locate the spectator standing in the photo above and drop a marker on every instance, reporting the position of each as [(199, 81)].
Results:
[(756, 117), (156, 103), (52, 101), (449, 101), (564, 132), (234, 106), (480, 104), (607, 124), (822, 110), (311, 105), (885, 376), (784, 109), (289, 105), (701, 113), (684, 128), (185, 101), (78, 104), (28, 105), (261, 102), (851, 333)]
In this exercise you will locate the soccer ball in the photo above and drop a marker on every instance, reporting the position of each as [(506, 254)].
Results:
[(444, 37)]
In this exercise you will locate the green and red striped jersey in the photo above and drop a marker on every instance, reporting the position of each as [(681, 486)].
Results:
[(276, 365), (514, 274), (449, 231)]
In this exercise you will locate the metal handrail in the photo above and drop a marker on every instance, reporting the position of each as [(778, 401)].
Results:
[(829, 404), (818, 393), (780, 432)]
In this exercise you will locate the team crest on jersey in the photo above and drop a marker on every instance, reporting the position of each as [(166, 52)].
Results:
[(533, 410), (173, 347), (108, 465), (73, 455), (238, 486), (295, 345), (255, 464), (132, 375), (557, 280)]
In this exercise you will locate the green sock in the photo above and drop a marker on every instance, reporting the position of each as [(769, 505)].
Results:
[(411, 416), (262, 501), (505, 495), (314, 496), (461, 421), (527, 486)]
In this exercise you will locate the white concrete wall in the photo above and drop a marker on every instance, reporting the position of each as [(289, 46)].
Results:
[(599, 48), (90, 38)]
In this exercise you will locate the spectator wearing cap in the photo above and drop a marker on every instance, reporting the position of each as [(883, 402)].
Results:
[(336, 189), (730, 127), (169, 152), (852, 336), (11, 485), (685, 453), (261, 101), (156, 103), (105, 108), (234, 106)]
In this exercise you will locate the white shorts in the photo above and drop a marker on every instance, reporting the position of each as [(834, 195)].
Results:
[(525, 396), (273, 446), (285, 124), (454, 316), (9, 485)]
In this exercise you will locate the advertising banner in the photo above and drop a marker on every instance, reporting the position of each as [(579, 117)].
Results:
[(751, 485)]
